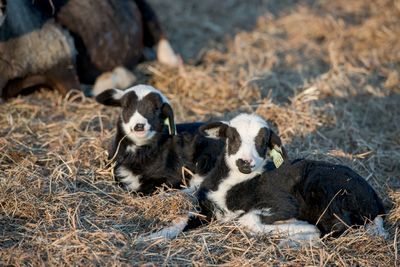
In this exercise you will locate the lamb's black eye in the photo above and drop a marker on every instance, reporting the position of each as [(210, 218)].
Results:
[(157, 109), (129, 101), (234, 140), (261, 141)]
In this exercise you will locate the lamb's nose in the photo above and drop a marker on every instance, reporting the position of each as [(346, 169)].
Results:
[(246, 162), (139, 127), (244, 165)]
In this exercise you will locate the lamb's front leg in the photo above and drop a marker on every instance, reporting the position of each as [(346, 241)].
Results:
[(203, 216), (126, 178)]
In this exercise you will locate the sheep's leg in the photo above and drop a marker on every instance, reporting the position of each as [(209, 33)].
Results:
[(375, 228), (63, 78), (153, 32), (154, 35), (17, 86), (3, 83), (168, 232)]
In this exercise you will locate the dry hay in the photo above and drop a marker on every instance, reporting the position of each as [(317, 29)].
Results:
[(325, 74)]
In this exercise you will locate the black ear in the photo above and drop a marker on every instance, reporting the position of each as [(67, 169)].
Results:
[(215, 130), (275, 142), (168, 115), (110, 97)]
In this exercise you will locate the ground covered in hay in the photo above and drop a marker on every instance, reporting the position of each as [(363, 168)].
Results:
[(325, 74)]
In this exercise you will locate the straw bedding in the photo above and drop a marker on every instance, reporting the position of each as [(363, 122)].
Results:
[(325, 74)]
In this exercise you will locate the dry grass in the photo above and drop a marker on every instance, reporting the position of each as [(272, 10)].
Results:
[(324, 73)]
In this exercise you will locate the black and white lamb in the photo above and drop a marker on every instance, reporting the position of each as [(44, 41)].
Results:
[(147, 154), (302, 199)]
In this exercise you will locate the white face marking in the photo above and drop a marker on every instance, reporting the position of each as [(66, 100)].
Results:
[(130, 180), (139, 137), (142, 90), (248, 126)]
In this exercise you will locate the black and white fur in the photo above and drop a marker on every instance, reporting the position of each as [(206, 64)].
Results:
[(302, 199), (236, 188), (147, 156), (334, 197), (52, 43), (34, 51)]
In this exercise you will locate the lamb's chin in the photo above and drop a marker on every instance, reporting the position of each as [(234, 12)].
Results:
[(142, 134), (141, 139)]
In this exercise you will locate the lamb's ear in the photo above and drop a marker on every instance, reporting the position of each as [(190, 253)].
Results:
[(214, 130), (169, 120), (277, 152), (110, 97)]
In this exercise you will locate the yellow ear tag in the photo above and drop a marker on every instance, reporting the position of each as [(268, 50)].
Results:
[(276, 155), (170, 129)]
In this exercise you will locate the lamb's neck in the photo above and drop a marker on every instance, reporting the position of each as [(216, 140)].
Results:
[(216, 175), (224, 180), (222, 173)]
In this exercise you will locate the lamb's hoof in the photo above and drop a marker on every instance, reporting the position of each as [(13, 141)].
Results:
[(300, 240), (167, 233), (375, 228)]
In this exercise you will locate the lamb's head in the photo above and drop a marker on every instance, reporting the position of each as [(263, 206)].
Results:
[(247, 141), (145, 111)]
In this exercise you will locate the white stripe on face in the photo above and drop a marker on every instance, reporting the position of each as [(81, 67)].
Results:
[(248, 127), (142, 90), (139, 137), (137, 101)]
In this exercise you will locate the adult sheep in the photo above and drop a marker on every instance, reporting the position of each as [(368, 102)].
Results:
[(97, 37), (33, 51)]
